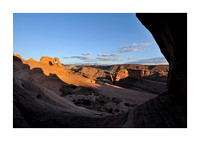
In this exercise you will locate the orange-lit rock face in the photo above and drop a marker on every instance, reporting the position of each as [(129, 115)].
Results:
[(146, 72), (141, 73), (162, 73), (121, 74), (93, 72), (47, 60), (55, 67), (19, 56), (50, 61), (47, 64), (32, 60), (58, 62)]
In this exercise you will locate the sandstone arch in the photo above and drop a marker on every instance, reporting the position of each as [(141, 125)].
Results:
[(50, 61), (58, 62), (47, 60)]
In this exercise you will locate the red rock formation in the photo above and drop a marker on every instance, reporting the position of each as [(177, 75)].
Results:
[(134, 73), (146, 72), (121, 74), (31, 60), (92, 72), (47, 60), (19, 56), (50, 61), (58, 62)]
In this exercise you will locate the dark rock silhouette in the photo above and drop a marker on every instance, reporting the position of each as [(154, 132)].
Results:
[(170, 32)]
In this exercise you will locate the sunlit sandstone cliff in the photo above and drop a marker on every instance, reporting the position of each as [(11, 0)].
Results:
[(54, 66)]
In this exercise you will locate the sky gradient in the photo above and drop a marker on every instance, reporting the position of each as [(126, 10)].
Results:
[(85, 38)]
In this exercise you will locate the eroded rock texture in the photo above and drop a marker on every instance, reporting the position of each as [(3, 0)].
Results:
[(121, 74)]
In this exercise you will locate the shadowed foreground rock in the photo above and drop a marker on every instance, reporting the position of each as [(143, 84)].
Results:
[(32, 112)]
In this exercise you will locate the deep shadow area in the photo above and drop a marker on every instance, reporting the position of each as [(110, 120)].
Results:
[(143, 85), (170, 32), (151, 79)]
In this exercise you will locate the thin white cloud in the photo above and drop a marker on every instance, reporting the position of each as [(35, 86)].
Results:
[(107, 59), (151, 61), (65, 57), (133, 58), (134, 45), (145, 44), (109, 55), (94, 63), (86, 54), (89, 59), (130, 50), (137, 47), (84, 58)]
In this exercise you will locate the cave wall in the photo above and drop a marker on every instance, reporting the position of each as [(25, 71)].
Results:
[(170, 32)]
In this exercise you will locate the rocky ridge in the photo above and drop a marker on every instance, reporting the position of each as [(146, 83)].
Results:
[(52, 85)]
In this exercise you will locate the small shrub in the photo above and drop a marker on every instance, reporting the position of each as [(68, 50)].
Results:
[(82, 102), (116, 100), (67, 89), (130, 105), (110, 110), (116, 110), (103, 99), (127, 104), (38, 96)]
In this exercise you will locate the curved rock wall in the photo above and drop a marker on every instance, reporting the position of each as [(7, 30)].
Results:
[(170, 33)]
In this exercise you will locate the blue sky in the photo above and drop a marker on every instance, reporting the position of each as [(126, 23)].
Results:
[(85, 38)]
